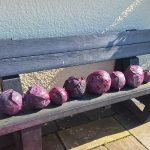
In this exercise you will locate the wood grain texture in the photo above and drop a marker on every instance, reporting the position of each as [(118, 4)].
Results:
[(35, 55), (32, 138), (89, 102)]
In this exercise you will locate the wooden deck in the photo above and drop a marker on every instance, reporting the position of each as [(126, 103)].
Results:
[(101, 129)]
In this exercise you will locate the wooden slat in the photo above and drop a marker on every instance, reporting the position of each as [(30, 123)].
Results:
[(41, 62), (28, 47), (89, 102)]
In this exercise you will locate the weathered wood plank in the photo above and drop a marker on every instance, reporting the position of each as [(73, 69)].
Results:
[(32, 138), (141, 133), (89, 102), (128, 143), (49, 61), (28, 47)]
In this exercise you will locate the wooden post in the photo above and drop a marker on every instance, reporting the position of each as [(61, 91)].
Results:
[(32, 138), (122, 65)]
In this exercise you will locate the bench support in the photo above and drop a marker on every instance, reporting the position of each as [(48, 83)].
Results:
[(30, 138), (142, 115)]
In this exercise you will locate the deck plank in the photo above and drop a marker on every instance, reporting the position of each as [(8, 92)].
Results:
[(142, 133), (127, 143), (93, 134)]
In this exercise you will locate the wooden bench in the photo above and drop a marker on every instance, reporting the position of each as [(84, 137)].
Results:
[(22, 56)]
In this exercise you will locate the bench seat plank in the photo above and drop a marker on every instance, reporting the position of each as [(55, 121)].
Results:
[(28, 119)]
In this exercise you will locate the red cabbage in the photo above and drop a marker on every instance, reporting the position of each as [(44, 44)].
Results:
[(10, 102), (134, 76), (98, 82), (58, 95), (75, 87), (147, 76), (117, 80), (36, 97)]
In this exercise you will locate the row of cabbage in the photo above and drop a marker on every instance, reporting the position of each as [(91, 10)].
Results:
[(98, 82)]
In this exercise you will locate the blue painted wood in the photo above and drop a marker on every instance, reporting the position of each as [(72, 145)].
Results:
[(28, 47), (42, 62), (20, 56)]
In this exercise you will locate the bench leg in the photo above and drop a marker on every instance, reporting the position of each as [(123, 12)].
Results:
[(31, 138), (17, 140), (142, 115)]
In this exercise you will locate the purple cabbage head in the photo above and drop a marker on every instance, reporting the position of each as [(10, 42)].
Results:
[(10, 102), (58, 95), (147, 76), (37, 97), (98, 82), (75, 87), (117, 80), (134, 75)]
